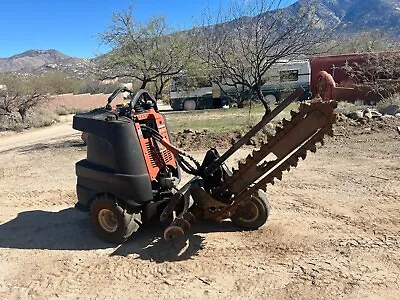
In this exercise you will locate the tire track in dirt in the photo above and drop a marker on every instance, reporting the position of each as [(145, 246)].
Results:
[(36, 136), (332, 233)]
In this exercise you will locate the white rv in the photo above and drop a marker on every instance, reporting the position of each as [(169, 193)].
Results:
[(283, 77)]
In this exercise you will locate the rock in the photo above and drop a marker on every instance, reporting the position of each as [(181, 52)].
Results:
[(367, 114), (251, 142), (188, 131), (397, 115), (352, 122), (385, 117), (392, 109), (362, 121), (375, 113), (356, 115), (235, 138), (341, 118)]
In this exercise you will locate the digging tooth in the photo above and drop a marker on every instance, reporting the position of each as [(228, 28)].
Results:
[(303, 106), (277, 174), (313, 148), (278, 129), (292, 161), (270, 138), (249, 158), (322, 142), (286, 123), (303, 154), (241, 164), (293, 113), (330, 132)]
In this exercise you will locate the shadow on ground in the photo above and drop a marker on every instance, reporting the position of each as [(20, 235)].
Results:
[(67, 229), (70, 143), (149, 243), (73, 142), (70, 229)]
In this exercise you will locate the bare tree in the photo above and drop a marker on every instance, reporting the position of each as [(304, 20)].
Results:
[(19, 95), (251, 36), (380, 72), (148, 52)]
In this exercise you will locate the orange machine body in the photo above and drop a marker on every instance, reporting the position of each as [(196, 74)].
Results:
[(157, 157)]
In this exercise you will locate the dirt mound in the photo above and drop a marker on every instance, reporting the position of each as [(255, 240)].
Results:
[(190, 140), (196, 140), (348, 127)]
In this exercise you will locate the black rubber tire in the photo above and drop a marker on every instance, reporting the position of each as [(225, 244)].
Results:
[(84, 138), (189, 105), (253, 214), (126, 222)]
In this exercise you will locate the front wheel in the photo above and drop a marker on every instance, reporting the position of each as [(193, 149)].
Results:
[(111, 222), (253, 214)]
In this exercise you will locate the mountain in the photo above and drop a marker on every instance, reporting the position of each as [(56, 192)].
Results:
[(355, 16), (41, 61), (350, 16)]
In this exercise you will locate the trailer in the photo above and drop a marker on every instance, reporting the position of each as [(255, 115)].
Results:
[(330, 77)]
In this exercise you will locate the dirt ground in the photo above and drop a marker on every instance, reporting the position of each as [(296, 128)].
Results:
[(333, 231)]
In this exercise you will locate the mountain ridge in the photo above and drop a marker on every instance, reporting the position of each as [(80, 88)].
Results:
[(351, 16)]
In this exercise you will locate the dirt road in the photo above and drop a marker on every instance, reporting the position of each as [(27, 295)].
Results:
[(61, 130), (333, 231)]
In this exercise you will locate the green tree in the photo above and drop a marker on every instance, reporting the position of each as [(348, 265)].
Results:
[(56, 83), (148, 52)]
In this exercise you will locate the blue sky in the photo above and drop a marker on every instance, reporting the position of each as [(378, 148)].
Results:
[(73, 26)]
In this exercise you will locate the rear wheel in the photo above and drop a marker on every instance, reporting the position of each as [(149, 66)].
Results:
[(189, 105), (111, 221), (253, 214)]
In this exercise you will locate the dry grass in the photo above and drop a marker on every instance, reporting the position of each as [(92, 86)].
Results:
[(347, 107), (394, 99), (220, 120), (63, 110)]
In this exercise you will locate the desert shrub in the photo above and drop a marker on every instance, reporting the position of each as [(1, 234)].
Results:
[(34, 119), (347, 107), (96, 87), (383, 104), (41, 118), (11, 123), (62, 111)]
